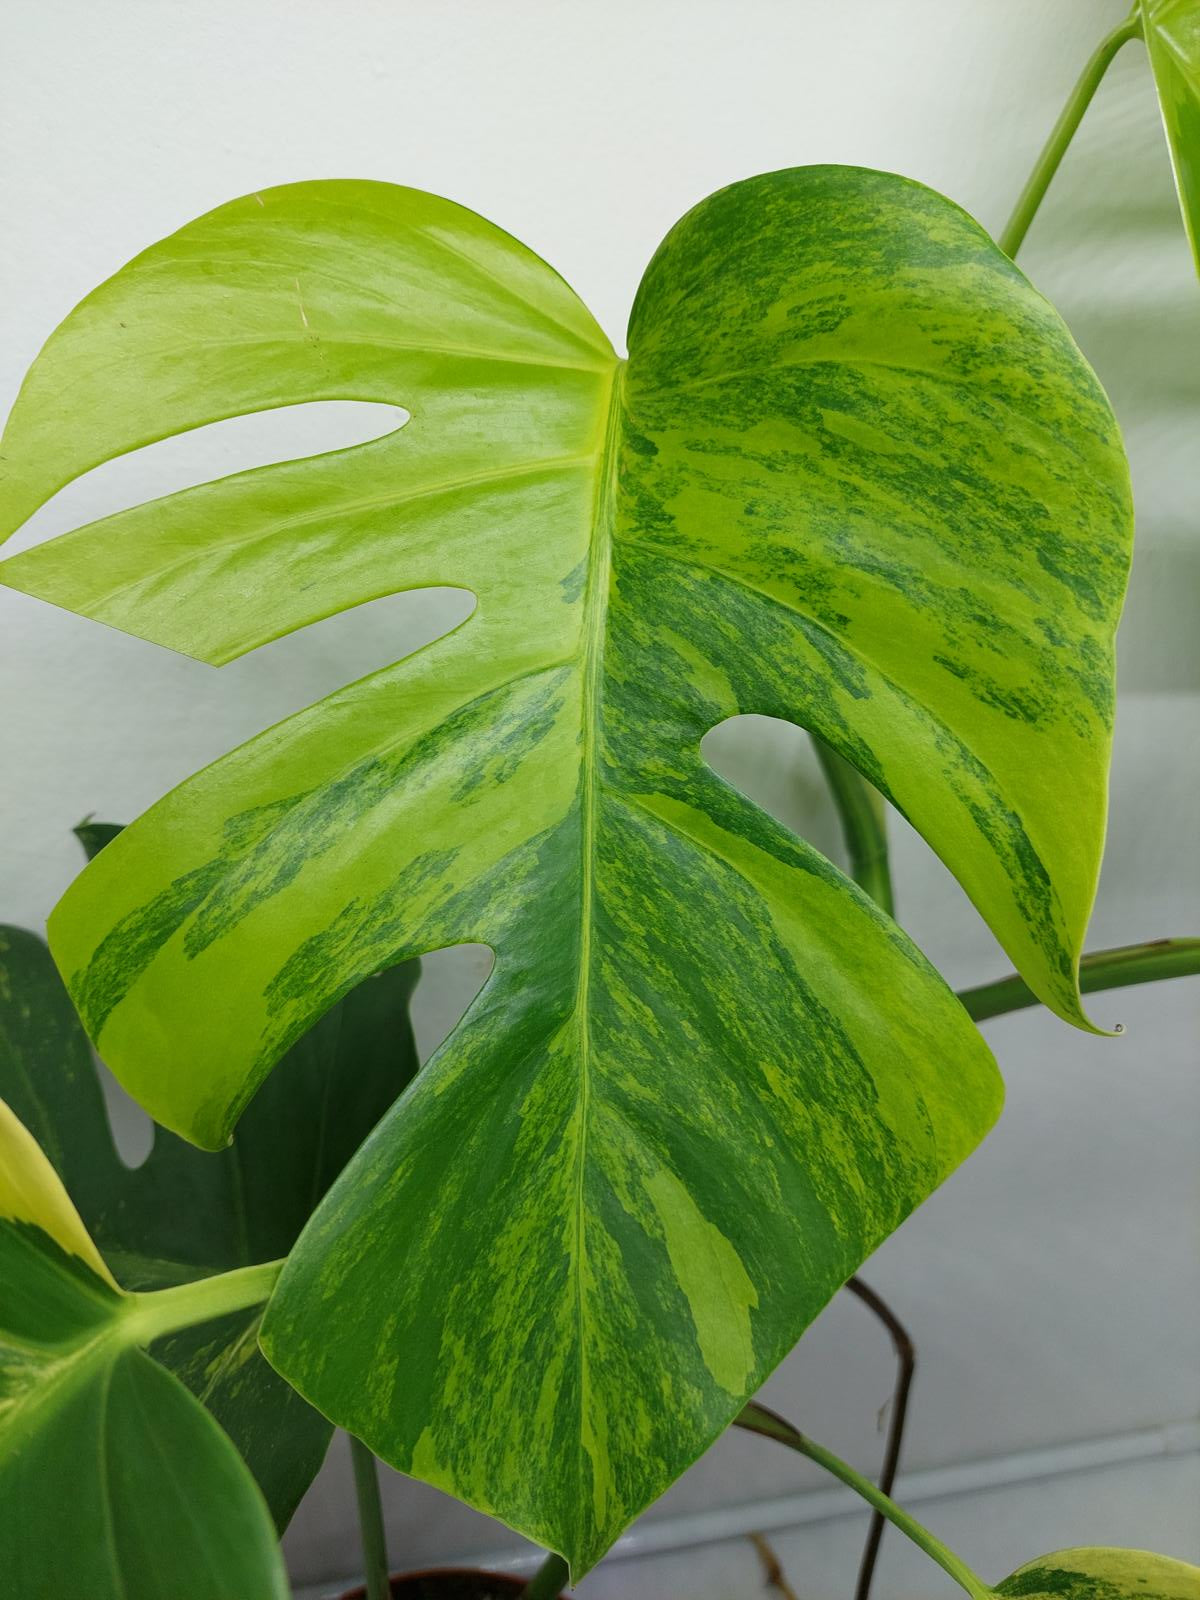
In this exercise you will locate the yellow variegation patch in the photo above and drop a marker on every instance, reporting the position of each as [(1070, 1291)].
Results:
[(32, 1192)]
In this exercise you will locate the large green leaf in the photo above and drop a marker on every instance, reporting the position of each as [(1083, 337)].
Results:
[(114, 1481), (855, 474), (1100, 1574), (185, 1214), (1172, 31)]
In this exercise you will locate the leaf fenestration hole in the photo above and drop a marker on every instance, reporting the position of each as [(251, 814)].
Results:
[(451, 979), (772, 762), (216, 450), (131, 1127)]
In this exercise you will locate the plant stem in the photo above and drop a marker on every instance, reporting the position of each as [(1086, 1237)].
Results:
[(148, 1316), (1063, 132), (1102, 969), (864, 828), (906, 1366), (548, 1581), (759, 1420), (370, 1521)]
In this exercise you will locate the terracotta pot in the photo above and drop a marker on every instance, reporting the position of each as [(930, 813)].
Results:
[(449, 1583)]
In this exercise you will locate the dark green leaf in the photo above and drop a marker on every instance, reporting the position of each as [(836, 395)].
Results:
[(185, 1213), (114, 1482)]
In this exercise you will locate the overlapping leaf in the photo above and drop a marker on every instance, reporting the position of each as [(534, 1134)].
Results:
[(114, 1481), (855, 474), (184, 1214), (1172, 31), (1103, 1574)]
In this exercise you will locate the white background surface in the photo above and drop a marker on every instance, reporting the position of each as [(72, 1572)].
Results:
[(1052, 1285)]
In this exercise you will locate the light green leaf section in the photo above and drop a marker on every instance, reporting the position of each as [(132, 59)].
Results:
[(1100, 1574), (854, 474), (114, 1481), (1172, 32)]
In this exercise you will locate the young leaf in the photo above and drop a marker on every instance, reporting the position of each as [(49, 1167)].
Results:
[(855, 473), (1172, 30), (114, 1481), (185, 1214), (1097, 1574)]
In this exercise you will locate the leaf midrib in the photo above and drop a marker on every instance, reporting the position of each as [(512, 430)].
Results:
[(595, 616), (104, 1479), (60, 1374)]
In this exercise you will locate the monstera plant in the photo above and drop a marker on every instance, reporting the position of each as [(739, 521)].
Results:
[(854, 473)]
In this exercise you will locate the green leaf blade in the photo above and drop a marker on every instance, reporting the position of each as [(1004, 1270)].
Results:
[(930, 495), (182, 1214), (1093, 1573), (855, 474), (244, 560), (655, 1267), (265, 309), (111, 1475), (1172, 32)]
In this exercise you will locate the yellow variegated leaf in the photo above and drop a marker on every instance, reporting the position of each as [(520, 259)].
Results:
[(1103, 1574), (854, 473)]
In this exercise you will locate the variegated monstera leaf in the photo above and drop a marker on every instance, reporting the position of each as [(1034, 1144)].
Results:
[(855, 474)]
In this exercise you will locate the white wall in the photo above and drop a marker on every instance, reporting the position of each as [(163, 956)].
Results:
[(1053, 1284)]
